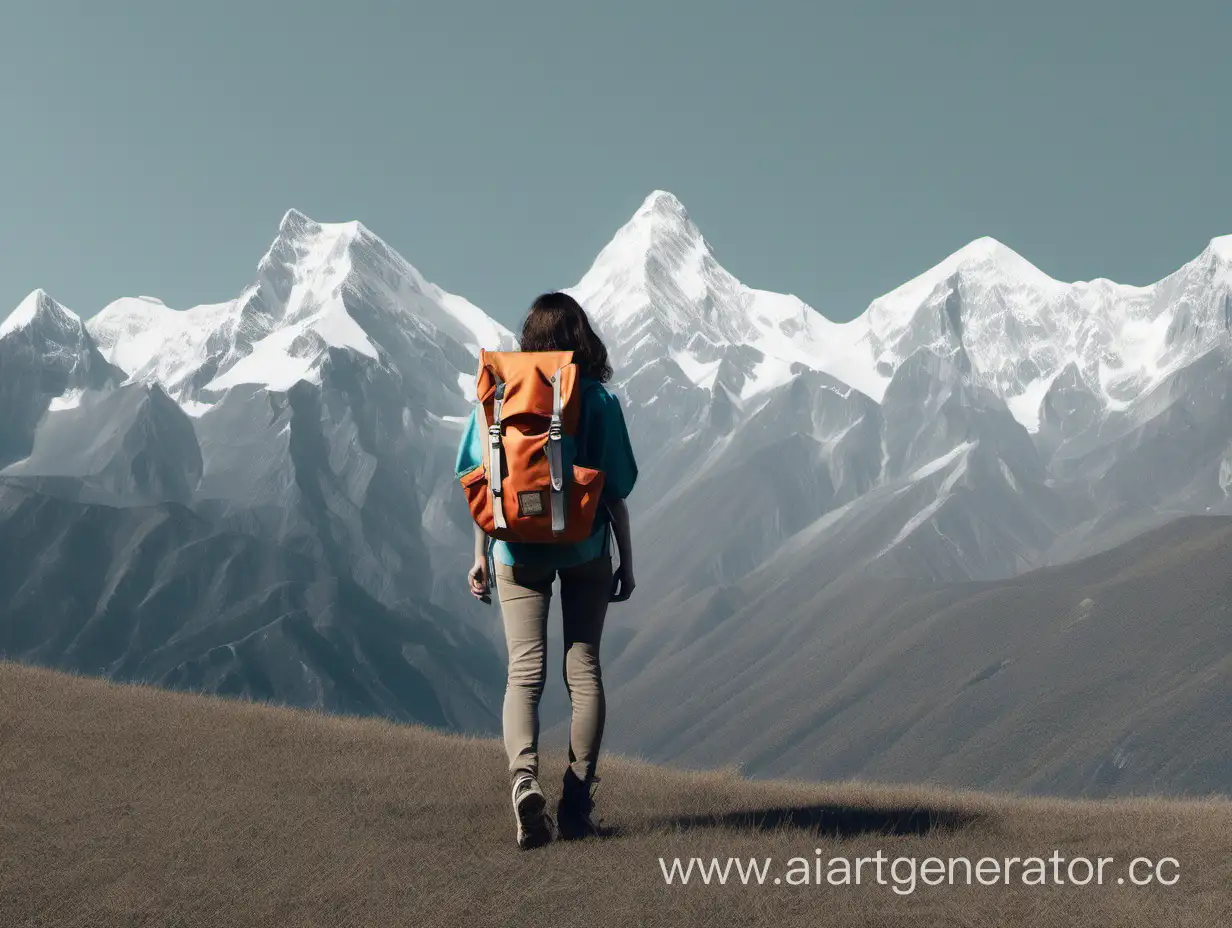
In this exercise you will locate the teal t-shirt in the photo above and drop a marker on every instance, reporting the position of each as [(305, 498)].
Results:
[(602, 443)]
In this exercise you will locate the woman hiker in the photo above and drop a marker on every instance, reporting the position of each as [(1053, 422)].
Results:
[(525, 571)]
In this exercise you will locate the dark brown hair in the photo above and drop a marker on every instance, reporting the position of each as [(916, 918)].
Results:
[(557, 322)]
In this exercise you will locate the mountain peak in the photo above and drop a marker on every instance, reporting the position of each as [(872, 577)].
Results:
[(656, 259), (1221, 247), (301, 237), (985, 259), (986, 251), (660, 226), (664, 204), (662, 217), (37, 307), (984, 248), (296, 223)]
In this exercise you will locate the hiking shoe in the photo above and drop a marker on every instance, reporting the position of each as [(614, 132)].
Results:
[(530, 809), (575, 811)]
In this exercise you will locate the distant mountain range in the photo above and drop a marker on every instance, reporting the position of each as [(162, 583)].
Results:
[(256, 497)]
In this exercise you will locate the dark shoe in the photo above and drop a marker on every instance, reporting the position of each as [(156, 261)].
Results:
[(575, 811), (530, 809)]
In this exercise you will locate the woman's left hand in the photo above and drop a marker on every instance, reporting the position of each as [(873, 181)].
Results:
[(477, 580), (622, 583)]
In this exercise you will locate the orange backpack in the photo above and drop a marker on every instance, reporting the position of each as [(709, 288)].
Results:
[(528, 487)]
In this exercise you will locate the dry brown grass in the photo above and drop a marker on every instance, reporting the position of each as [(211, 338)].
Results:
[(132, 806)]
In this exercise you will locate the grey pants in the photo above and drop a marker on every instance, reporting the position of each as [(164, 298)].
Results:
[(525, 593)]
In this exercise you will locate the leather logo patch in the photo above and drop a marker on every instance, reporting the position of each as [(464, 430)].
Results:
[(530, 503)]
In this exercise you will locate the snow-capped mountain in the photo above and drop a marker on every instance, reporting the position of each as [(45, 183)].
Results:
[(326, 398), (663, 297), (757, 411), (730, 385), (318, 411), (321, 286), (1060, 377), (41, 317), (730, 398), (46, 359), (1016, 330)]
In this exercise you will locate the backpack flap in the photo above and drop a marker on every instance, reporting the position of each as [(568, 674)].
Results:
[(529, 488)]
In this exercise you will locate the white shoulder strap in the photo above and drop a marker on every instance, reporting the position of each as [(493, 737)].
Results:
[(494, 456), (556, 467)]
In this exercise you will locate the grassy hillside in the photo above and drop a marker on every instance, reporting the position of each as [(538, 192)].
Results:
[(135, 806)]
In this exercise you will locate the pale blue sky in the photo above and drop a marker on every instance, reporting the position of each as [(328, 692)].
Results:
[(830, 150)]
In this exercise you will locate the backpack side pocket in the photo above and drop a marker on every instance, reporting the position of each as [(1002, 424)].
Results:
[(583, 500), (478, 497)]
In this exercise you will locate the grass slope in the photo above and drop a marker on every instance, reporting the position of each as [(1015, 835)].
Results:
[(125, 805)]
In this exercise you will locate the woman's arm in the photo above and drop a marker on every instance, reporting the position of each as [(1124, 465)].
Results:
[(470, 456), (622, 580), (477, 577)]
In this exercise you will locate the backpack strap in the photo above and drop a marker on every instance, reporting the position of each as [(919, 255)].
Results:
[(556, 467), (495, 456)]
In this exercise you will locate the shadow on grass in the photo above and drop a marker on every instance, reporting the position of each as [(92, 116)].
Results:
[(836, 821)]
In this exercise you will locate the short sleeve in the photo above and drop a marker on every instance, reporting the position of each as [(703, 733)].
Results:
[(470, 448), (608, 445)]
